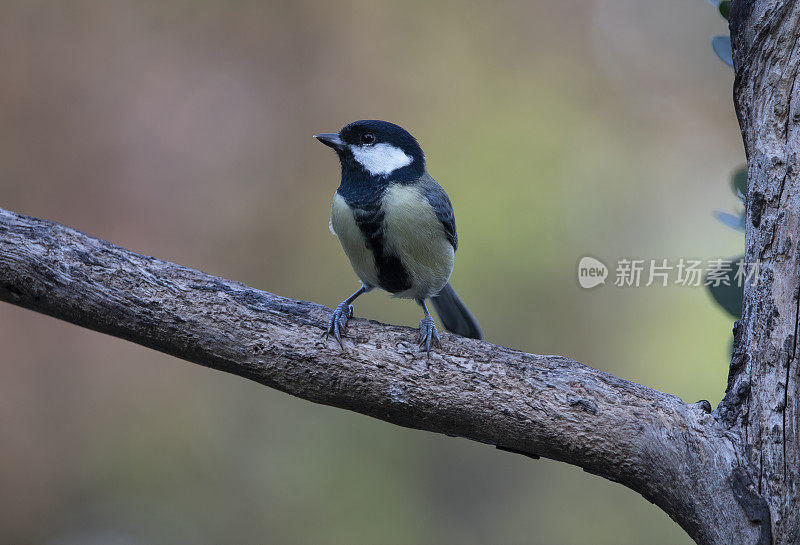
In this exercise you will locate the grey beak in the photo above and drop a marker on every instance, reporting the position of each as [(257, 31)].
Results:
[(330, 139)]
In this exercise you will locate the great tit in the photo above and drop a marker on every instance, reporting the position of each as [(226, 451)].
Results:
[(396, 225)]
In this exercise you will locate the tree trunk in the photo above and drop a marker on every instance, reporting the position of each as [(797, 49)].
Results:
[(761, 401)]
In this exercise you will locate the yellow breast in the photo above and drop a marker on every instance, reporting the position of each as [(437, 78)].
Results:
[(413, 232), (344, 226)]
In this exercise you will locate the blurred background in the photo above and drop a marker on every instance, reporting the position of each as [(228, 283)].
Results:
[(182, 129)]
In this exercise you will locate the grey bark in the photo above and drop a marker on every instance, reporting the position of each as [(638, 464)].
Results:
[(761, 402), (675, 454)]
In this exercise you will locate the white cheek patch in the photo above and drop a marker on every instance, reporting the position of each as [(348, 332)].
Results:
[(381, 159)]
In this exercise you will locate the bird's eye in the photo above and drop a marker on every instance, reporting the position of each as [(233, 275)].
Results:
[(367, 138)]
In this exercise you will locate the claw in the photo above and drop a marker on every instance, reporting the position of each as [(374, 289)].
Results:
[(337, 325), (428, 336)]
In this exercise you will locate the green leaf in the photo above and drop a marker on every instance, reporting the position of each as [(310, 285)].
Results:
[(722, 47), (730, 297), (734, 222), (725, 8), (739, 181)]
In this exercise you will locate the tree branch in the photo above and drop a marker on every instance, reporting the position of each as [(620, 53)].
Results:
[(675, 454)]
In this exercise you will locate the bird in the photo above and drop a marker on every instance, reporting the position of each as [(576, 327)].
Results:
[(396, 225)]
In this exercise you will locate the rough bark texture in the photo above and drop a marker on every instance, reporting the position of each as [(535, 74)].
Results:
[(762, 397), (675, 454)]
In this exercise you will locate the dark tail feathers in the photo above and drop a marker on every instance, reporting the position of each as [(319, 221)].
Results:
[(454, 315)]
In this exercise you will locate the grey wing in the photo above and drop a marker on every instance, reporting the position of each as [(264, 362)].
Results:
[(440, 202)]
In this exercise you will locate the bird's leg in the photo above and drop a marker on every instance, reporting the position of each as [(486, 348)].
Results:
[(428, 336), (344, 310)]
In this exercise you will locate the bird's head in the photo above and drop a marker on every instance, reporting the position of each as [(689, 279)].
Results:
[(376, 149)]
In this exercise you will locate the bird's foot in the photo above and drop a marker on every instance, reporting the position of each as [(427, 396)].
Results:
[(337, 325), (428, 336)]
